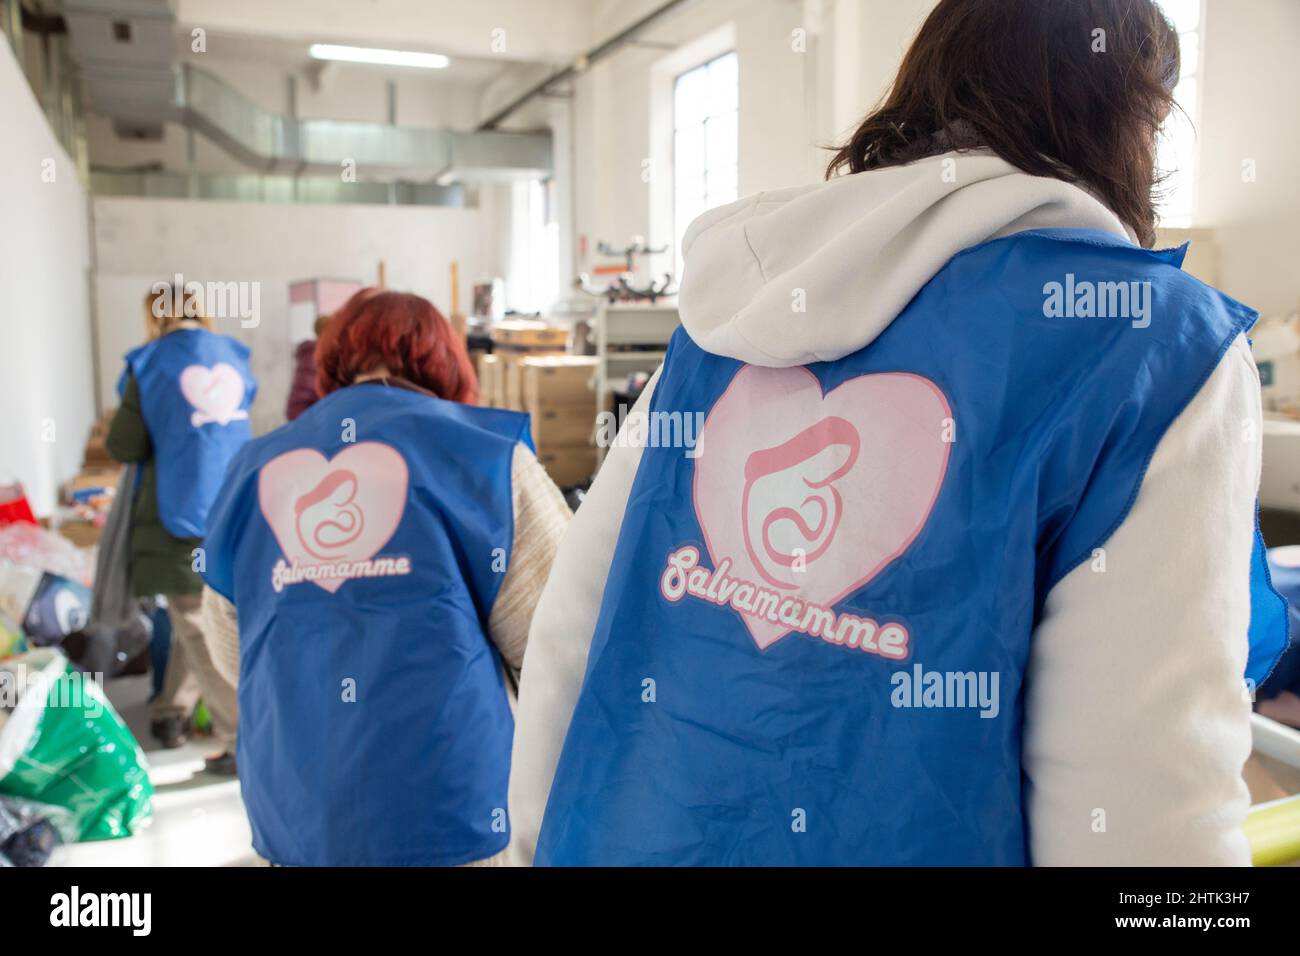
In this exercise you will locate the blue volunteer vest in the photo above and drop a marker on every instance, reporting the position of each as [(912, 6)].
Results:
[(813, 640), (195, 392), (1285, 574), (363, 545)]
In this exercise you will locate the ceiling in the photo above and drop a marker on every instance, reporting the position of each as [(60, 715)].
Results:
[(291, 55), (549, 31)]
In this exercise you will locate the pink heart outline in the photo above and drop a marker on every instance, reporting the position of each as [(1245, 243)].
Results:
[(380, 480), (765, 408), (215, 393)]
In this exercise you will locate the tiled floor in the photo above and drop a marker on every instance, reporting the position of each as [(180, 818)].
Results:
[(198, 818)]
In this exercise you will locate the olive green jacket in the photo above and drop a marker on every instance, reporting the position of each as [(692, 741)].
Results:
[(160, 563)]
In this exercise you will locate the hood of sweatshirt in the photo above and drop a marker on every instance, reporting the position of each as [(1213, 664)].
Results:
[(815, 273)]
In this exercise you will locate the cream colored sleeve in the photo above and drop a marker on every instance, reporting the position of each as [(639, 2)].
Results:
[(1137, 721), (561, 638), (541, 517), (221, 630)]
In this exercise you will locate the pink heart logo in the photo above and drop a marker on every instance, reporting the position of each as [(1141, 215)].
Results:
[(331, 517), (813, 495), (216, 393)]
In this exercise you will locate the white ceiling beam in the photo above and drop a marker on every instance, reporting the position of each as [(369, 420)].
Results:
[(552, 32)]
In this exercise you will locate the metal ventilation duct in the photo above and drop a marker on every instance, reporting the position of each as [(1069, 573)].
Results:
[(254, 187), (125, 51)]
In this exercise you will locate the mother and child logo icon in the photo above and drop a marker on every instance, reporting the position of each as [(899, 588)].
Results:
[(331, 517), (328, 516), (784, 534), (215, 394), (834, 487)]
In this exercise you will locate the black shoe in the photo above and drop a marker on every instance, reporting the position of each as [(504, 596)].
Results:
[(171, 732), (222, 764)]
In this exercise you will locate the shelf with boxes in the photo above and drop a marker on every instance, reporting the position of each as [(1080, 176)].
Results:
[(631, 339), (528, 370)]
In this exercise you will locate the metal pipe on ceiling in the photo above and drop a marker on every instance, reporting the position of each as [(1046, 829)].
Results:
[(592, 56)]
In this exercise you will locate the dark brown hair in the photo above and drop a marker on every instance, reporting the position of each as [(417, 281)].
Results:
[(1073, 89)]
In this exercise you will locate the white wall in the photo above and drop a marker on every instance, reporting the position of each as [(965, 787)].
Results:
[(1248, 112), (793, 103), (44, 314), (140, 241), (616, 127), (809, 69)]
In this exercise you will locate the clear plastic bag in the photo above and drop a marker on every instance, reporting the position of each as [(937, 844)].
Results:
[(30, 831)]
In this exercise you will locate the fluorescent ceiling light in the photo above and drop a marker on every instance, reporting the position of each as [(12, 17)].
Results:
[(364, 54)]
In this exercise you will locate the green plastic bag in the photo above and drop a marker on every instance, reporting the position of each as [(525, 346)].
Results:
[(64, 745)]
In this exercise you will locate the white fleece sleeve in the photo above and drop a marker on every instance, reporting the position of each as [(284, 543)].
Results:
[(1136, 719), (560, 638)]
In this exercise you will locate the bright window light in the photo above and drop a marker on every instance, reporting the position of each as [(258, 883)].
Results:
[(705, 142), (364, 54), (1177, 155), (532, 283)]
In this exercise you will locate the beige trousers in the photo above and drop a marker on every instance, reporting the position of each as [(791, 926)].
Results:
[(190, 675)]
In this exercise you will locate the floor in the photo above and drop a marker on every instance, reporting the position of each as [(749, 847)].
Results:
[(198, 818)]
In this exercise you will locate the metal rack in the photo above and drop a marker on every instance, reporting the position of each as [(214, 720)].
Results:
[(630, 337)]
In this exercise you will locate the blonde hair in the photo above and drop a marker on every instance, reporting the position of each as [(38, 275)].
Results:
[(161, 315)]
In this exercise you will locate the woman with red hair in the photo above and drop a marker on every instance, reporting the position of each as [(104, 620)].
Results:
[(373, 567)]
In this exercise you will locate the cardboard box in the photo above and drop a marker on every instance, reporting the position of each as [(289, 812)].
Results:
[(510, 388), (569, 467), (558, 380), (96, 453), (490, 392), (563, 426), (81, 533), (511, 393), (522, 335)]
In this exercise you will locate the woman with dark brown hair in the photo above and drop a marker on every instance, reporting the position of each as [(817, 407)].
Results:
[(963, 568)]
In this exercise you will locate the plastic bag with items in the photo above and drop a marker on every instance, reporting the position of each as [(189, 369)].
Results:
[(62, 744), (30, 831)]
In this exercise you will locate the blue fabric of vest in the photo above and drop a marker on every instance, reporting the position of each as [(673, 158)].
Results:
[(195, 392), (374, 727), (1285, 576), (926, 492)]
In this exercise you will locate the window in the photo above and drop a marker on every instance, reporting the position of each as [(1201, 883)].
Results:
[(705, 142), (533, 284), (1177, 156)]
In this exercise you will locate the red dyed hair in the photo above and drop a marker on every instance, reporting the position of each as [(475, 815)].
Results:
[(400, 332)]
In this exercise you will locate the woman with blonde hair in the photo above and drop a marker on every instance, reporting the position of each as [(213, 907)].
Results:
[(184, 413)]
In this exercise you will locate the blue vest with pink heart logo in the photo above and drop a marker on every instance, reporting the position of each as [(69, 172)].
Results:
[(363, 545), (813, 640), (195, 392)]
